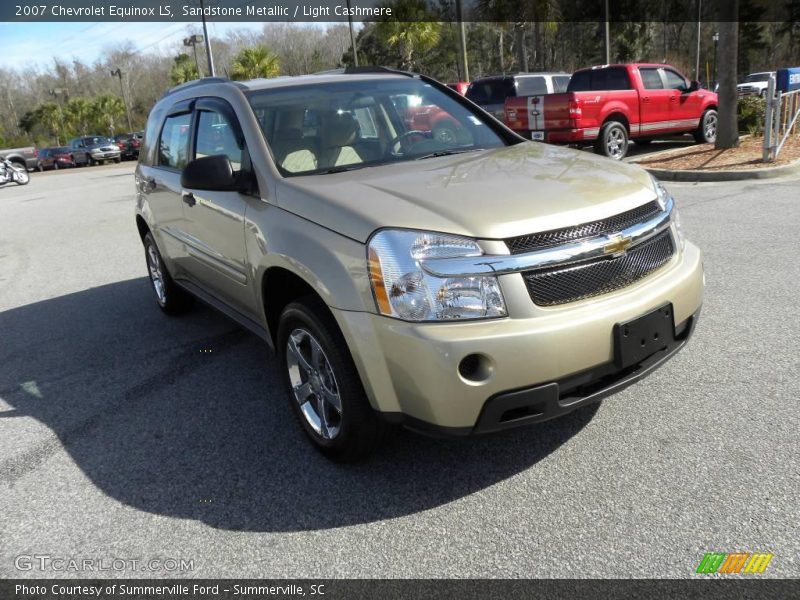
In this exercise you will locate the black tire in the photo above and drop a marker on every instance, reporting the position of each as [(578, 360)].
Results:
[(118, 160), (359, 427), (174, 300), (91, 162), (706, 132), (612, 141), (643, 141)]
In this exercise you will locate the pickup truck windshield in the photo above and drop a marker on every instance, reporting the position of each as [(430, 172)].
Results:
[(335, 126)]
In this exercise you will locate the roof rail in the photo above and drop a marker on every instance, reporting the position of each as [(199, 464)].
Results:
[(376, 69), (196, 82)]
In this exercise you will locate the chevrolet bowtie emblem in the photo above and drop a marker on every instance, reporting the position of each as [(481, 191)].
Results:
[(617, 244)]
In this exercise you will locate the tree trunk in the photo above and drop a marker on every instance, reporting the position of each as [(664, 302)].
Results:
[(728, 128)]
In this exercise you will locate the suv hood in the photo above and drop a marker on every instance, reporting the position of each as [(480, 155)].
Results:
[(487, 194)]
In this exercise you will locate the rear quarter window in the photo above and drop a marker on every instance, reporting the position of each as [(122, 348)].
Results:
[(147, 155)]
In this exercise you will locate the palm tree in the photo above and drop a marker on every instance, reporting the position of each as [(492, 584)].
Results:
[(78, 113), (50, 117), (106, 109), (410, 39), (253, 63), (184, 69)]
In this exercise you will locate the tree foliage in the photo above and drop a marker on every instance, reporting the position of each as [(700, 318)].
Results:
[(253, 63)]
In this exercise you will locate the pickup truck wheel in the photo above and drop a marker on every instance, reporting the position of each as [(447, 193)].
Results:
[(323, 384), (171, 299), (613, 141), (445, 134), (706, 132)]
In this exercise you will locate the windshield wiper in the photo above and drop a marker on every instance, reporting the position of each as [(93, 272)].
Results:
[(445, 153), (343, 168)]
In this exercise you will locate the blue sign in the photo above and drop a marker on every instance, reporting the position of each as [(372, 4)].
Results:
[(788, 80)]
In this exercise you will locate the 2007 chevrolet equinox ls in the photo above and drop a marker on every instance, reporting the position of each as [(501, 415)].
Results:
[(409, 258)]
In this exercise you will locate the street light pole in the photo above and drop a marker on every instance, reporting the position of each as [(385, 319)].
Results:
[(209, 56), (118, 73), (193, 41)]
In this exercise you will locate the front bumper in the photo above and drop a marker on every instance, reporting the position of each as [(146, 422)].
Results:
[(411, 372)]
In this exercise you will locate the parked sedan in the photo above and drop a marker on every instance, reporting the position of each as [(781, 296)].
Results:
[(58, 157), (94, 149)]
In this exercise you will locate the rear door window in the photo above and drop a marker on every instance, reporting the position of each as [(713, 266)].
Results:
[(596, 80), (651, 79), (173, 146)]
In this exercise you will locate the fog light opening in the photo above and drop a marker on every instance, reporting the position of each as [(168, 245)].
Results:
[(475, 368)]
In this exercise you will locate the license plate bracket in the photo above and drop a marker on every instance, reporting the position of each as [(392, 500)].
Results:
[(639, 338)]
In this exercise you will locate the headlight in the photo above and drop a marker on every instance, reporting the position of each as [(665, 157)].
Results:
[(662, 195), (403, 290)]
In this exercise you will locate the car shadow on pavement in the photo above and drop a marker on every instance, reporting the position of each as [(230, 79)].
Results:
[(186, 417)]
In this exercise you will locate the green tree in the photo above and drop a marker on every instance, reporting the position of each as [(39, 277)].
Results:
[(411, 33), (253, 63), (107, 109), (183, 69), (78, 115), (50, 117)]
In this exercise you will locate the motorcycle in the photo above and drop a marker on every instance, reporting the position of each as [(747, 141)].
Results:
[(11, 172)]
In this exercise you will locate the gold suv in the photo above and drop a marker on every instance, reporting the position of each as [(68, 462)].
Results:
[(408, 257)]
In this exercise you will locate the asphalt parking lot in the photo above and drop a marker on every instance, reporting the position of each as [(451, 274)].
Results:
[(125, 434)]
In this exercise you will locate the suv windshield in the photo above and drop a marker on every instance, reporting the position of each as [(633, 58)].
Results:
[(336, 126), (94, 141), (757, 77)]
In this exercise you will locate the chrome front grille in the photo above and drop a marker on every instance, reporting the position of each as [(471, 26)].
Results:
[(559, 285), (556, 237)]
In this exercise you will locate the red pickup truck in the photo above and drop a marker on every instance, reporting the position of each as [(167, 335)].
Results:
[(611, 104)]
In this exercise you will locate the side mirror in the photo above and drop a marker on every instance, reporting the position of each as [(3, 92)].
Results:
[(214, 173), (693, 87)]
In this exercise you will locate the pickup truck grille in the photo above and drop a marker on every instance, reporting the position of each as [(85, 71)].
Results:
[(559, 285), (556, 237)]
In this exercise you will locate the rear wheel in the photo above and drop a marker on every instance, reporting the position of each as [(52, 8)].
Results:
[(323, 384), (706, 132), (612, 141), (171, 299)]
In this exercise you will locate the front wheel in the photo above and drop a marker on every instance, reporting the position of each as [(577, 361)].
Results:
[(118, 160), (706, 132), (170, 298), (20, 175), (612, 141), (323, 384)]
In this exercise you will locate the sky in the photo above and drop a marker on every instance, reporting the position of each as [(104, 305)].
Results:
[(27, 44)]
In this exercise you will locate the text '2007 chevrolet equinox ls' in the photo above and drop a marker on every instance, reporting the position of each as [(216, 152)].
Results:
[(455, 284)]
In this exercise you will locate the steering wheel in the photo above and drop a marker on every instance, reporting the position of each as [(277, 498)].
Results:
[(398, 139)]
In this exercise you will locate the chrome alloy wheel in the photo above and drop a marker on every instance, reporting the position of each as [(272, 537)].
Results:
[(710, 127), (156, 275), (313, 383), (615, 143)]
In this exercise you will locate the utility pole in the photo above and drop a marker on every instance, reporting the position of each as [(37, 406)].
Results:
[(209, 56), (608, 38), (715, 37), (193, 41), (352, 35), (697, 57), (118, 73), (462, 42)]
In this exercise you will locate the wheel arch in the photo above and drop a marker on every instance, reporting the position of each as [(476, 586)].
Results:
[(279, 287)]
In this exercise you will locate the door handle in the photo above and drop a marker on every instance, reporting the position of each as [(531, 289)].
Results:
[(646, 99), (188, 198)]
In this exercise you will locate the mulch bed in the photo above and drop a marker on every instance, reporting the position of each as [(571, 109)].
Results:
[(704, 157)]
